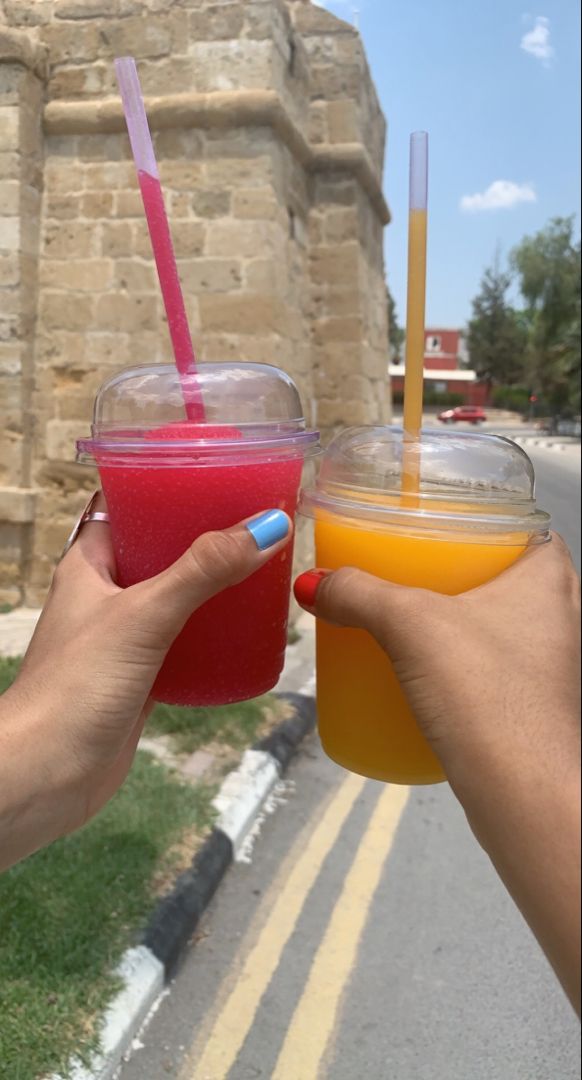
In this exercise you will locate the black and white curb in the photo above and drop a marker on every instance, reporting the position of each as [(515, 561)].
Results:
[(545, 443), (145, 969)]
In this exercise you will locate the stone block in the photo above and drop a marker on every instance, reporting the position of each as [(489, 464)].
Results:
[(9, 270), (97, 204), (337, 329), (108, 175), (235, 172), (128, 204), (38, 13), (74, 406), (104, 348), (331, 265), (17, 504), (176, 144), (210, 275), (82, 275), (310, 19), (9, 127), (189, 240), (126, 313), (268, 275), (88, 9), (71, 82), (231, 65), (9, 197), (136, 36), (243, 238), (135, 275), (116, 239), (317, 122), (181, 175), (340, 226), (249, 348), (70, 240), (72, 43), (338, 300), (10, 165), (256, 204), (244, 313), (10, 302), (63, 207), (61, 436), (211, 204), (65, 311), (215, 23), (64, 177), (9, 234)]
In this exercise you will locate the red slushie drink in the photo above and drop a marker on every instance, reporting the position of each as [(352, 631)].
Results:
[(167, 481)]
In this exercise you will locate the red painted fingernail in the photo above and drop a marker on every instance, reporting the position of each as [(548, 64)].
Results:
[(306, 586)]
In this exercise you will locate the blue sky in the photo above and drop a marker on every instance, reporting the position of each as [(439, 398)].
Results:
[(496, 85)]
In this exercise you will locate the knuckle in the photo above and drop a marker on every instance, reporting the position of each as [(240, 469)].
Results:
[(215, 558), (337, 588)]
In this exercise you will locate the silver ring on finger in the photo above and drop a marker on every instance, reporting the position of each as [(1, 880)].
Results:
[(86, 515)]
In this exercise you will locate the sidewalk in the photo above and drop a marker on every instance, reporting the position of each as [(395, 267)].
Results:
[(16, 630)]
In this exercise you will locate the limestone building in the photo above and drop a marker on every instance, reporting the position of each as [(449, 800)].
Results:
[(271, 144)]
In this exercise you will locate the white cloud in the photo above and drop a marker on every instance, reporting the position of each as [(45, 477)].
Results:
[(536, 41), (500, 195)]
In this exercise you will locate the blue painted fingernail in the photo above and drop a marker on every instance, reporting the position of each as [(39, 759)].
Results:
[(269, 528)]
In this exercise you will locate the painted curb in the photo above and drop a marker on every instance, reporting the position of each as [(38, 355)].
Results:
[(145, 969)]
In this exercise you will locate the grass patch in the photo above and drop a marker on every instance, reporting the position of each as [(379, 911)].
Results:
[(293, 636), (8, 671), (68, 913), (237, 726)]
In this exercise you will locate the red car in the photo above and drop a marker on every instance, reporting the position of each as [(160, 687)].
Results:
[(468, 414)]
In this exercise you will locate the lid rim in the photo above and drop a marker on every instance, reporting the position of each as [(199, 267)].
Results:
[(534, 521)]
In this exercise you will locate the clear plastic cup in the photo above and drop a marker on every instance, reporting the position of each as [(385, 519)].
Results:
[(474, 515), (167, 480)]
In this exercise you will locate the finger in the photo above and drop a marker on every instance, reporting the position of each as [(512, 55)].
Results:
[(215, 562), (350, 597), (93, 549)]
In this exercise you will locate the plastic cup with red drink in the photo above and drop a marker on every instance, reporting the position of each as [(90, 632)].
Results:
[(167, 480)]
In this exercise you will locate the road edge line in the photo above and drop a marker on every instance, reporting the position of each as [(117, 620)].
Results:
[(146, 968)]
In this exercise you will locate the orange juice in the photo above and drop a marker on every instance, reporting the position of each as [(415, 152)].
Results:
[(365, 722), (473, 514)]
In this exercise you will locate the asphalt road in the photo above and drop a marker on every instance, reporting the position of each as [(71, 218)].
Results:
[(368, 936)]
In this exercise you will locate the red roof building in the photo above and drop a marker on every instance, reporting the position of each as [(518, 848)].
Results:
[(444, 370)]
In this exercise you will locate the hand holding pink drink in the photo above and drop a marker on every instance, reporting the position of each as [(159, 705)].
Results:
[(167, 481), (192, 448)]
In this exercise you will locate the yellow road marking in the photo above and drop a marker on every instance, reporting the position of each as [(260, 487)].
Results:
[(236, 1018), (315, 1015)]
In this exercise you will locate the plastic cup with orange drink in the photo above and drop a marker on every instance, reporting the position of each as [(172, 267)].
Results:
[(473, 515)]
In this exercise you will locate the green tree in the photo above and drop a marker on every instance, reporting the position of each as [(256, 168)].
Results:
[(548, 267), (496, 335), (396, 334)]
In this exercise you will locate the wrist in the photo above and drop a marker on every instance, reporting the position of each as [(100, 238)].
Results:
[(28, 785), (512, 775)]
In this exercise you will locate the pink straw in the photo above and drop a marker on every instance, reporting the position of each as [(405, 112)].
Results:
[(159, 229)]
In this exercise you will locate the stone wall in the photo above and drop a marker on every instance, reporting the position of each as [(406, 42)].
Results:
[(270, 142)]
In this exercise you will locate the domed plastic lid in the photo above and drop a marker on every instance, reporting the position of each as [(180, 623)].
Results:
[(246, 408), (468, 481)]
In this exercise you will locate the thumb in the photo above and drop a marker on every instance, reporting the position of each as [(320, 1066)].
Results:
[(350, 597), (214, 562)]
